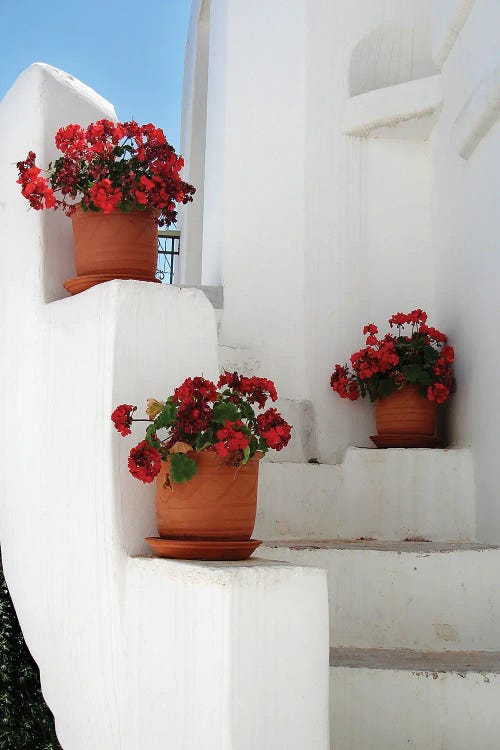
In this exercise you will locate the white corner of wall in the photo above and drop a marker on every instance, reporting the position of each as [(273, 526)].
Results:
[(76, 88), (44, 76), (478, 115), (391, 110)]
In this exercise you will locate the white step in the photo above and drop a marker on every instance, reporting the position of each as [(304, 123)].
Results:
[(385, 494), (425, 596), (393, 700)]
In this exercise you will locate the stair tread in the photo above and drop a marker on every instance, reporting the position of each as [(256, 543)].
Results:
[(416, 661), (378, 545)]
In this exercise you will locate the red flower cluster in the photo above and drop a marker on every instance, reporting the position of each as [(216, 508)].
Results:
[(433, 334), (274, 429), (393, 361), (231, 438), (413, 318), (144, 462), (195, 389), (438, 393), (109, 166), (343, 385), (104, 196), (201, 416), (122, 418), (256, 390), (194, 413), (370, 361), (34, 187)]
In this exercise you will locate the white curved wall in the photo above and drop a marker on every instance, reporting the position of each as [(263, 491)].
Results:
[(393, 53), (135, 653), (466, 231)]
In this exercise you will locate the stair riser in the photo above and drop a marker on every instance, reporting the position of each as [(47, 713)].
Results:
[(377, 709), (425, 601), (383, 494)]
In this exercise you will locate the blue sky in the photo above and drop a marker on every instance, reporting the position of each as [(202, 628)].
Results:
[(132, 53)]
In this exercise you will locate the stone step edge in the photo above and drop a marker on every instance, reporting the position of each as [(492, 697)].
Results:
[(407, 660), (410, 546)]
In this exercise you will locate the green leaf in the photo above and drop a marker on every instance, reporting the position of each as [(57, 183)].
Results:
[(386, 386), (167, 416), (203, 440), (151, 436), (182, 468), (262, 445), (417, 374), (226, 411), (246, 410), (430, 355), (413, 373), (246, 456)]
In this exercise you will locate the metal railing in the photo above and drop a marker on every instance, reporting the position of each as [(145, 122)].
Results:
[(169, 244)]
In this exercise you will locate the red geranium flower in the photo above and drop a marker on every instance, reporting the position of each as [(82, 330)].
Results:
[(433, 333), (232, 379), (109, 166), (438, 393), (122, 418), (144, 462), (105, 196), (197, 389), (273, 428), (200, 416), (231, 438), (448, 354), (393, 361)]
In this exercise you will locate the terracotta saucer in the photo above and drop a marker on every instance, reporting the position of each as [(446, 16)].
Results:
[(405, 441), (197, 549), (81, 283)]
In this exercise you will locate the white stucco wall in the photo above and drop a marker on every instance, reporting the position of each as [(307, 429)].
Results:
[(193, 134), (368, 248), (134, 652), (466, 230), (313, 233), (254, 222)]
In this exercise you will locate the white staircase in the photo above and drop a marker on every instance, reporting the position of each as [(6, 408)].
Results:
[(395, 699), (414, 601)]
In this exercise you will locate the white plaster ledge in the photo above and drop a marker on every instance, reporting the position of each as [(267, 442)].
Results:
[(479, 114), (406, 110), (252, 572), (448, 31)]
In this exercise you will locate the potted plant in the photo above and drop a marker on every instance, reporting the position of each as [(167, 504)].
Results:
[(118, 182), (408, 374), (204, 444)]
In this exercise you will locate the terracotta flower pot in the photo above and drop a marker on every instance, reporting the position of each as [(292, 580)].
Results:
[(220, 502), (405, 412), (117, 243)]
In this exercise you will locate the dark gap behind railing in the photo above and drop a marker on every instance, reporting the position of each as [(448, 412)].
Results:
[(169, 243)]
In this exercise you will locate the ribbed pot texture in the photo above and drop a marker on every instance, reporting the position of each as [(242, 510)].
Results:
[(115, 243), (405, 412), (220, 502)]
